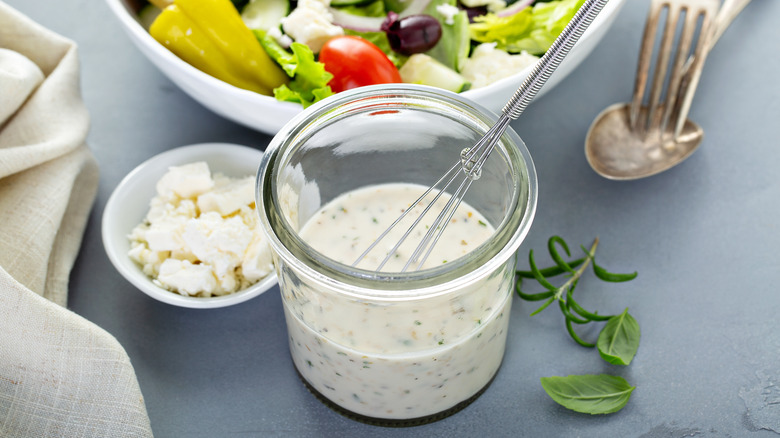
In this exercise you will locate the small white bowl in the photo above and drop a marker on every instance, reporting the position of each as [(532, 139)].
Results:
[(266, 114), (129, 203)]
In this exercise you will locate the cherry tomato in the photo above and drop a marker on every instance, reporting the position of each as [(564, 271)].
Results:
[(356, 62)]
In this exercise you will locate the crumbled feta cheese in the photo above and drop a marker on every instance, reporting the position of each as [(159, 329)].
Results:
[(217, 241), (201, 236), (283, 40), (169, 206), (186, 181), (228, 196), (164, 235), (187, 278), (311, 23), (448, 11), (258, 260), (487, 64), (150, 260)]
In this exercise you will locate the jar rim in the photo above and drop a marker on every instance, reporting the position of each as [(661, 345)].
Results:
[(393, 285)]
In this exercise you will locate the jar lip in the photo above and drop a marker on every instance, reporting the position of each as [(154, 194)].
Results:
[(391, 285)]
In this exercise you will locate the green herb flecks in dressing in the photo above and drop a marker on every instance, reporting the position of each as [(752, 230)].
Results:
[(396, 359)]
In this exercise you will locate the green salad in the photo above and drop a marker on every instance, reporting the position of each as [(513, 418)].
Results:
[(314, 48)]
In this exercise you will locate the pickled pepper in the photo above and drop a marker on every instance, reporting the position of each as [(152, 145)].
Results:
[(210, 36)]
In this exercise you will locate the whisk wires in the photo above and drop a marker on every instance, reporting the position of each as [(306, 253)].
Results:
[(472, 159)]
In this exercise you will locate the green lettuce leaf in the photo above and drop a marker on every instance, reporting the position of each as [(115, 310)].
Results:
[(379, 39), (533, 29), (454, 46), (309, 82)]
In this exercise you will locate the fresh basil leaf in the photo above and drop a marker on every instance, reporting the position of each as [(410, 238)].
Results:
[(619, 339), (589, 393), (609, 276)]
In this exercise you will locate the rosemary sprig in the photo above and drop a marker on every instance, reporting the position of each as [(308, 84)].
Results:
[(573, 312), (618, 340)]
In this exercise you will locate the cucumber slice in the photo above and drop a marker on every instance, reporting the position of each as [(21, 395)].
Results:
[(422, 69), (264, 14)]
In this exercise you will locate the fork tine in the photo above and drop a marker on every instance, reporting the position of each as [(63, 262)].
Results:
[(662, 62), (693, 66), (665, 82), (692, 15), (704, 11), (645, 57)]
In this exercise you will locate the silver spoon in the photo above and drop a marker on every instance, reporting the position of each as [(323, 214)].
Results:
[(630, 140)]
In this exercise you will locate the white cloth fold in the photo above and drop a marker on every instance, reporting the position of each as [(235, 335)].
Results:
[(60, 375)]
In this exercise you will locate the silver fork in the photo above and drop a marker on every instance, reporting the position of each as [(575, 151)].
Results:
[(694, 14), (637, 139), (694, 65)]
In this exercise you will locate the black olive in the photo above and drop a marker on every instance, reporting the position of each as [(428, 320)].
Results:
[(411, 34)]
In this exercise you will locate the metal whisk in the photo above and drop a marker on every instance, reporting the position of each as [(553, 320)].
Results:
[(469, 167)]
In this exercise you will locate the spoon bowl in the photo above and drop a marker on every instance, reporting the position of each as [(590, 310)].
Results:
[(650, 134), (614, 151)]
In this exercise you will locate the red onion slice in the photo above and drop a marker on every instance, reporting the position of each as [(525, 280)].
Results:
[(515, 8), (373, 24)]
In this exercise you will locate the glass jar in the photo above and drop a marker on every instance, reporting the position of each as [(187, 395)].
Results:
[(394, 348)]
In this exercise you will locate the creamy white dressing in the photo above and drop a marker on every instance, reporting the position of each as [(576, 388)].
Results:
[(346, 226), (395, 359)]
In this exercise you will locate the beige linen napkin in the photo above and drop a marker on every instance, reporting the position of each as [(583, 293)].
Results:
[(60, 375)]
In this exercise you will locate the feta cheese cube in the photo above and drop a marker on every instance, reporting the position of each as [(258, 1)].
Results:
[(217, 241), (186, 181), (312, 24), (187, 278), (228, 197), (488, 64), (199, 233), (164, 235), (258, 259), (449, 12)]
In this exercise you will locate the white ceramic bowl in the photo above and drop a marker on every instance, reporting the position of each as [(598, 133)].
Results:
[(128, 204), (268, 115)]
